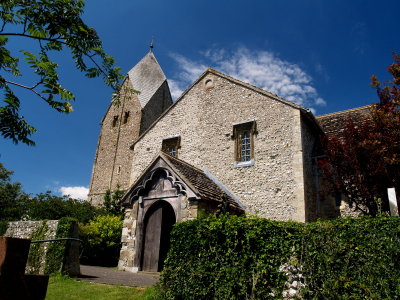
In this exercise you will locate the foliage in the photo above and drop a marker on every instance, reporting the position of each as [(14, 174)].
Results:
[(55, 25), (36, 250), (352, 259), (65, 288), (51, 207), (12, 198), (49, 258), (3, 227), (57, 250), (228, 257), (237, 258), (365, 159), (101, 240), (15, 205), (111, 202)]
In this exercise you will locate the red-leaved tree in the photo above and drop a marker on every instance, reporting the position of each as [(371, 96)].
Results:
[(364, 160)]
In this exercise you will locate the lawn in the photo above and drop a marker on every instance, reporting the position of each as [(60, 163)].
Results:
[(65, 288)]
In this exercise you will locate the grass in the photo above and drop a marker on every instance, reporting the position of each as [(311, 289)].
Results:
[(65, 288)]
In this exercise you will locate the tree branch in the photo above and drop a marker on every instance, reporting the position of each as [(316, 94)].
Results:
[(35, 37), (28, 88)]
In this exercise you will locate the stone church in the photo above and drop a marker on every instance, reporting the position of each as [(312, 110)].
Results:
[(223, 145)]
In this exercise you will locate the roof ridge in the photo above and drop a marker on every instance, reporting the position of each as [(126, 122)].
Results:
[(345, 111), (223, 75), (168, 156), (249, 85)]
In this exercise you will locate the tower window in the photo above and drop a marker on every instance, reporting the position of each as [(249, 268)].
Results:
[(115, 121), (243, 134), (126, 117), (171, 146)]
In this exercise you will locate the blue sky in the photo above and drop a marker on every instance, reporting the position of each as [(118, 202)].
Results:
[(319, 54)]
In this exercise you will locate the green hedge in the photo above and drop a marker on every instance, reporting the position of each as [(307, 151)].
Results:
[(239, 258), (352, 258), (227, 258)]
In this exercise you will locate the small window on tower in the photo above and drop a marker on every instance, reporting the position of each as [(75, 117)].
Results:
[(243, 134), (171, 146), (126, 117), (115, 121)]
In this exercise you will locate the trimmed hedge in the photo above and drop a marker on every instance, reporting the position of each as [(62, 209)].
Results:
[(232, 257), (352, 258)]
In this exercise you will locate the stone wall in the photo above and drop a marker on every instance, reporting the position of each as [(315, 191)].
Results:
[(273, 187), (25, 229), (113, 157), (30, 230)]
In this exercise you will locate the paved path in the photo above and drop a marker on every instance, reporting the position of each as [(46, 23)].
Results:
[(115, 277)]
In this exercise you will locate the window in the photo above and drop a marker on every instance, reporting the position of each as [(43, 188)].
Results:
[(126, 117), (115, 121), (171, 146), (243, 134)]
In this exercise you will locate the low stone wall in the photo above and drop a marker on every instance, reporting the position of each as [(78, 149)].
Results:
[(67, 260)]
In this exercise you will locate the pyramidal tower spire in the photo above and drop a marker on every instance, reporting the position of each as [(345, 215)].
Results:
[(122, 125)]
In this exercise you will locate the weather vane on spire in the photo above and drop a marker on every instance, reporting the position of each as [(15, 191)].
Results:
[(152, 44)]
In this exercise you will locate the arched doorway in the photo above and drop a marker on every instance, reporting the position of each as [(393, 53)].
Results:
[(158, 223)]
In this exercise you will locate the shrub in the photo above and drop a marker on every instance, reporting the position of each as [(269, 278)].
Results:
[(353, 258), (228, 257), (237, 258), (3, 227), (101, 240), (51, 207)]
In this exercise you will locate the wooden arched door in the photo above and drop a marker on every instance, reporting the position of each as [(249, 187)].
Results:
[(158, 224)]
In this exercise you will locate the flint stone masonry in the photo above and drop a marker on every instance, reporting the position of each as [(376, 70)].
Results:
[(294, 283), (112, 164), (204, 117), (25, 230)]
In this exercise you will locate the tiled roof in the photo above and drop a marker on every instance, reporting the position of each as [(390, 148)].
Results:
[(207, 189), (146, 77), (334, 123)]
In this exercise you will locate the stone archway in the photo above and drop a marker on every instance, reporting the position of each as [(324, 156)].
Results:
[(158, 223)]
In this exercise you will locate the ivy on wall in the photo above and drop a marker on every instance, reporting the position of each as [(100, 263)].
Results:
[(47, 257), (57, 250), (37, 249)]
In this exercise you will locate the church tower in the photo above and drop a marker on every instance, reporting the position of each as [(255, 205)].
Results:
[(123, 124)]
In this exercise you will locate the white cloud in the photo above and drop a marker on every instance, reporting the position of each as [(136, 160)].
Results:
[(75, 192), (175, 88), (260, 68), (320, 101)]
